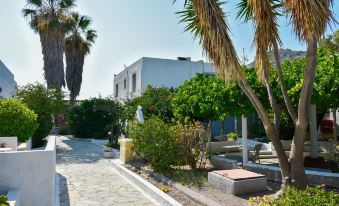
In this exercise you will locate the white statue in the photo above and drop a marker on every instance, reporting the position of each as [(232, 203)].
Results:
[(140, 116)]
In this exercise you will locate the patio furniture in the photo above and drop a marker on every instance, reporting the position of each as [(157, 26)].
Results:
[(256, 154), (237, 181)]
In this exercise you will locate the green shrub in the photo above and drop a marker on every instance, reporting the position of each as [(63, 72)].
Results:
[(192, 142), (155, 141), (45, 103), (91, 117), (16, 120), (291, 196), (3, 201)]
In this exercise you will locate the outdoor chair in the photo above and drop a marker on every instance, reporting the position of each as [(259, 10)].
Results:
[(256, 154)]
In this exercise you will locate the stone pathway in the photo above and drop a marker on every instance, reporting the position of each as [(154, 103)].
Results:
[(86, 178)]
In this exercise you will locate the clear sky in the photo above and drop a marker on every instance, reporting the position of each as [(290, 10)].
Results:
[(127, 30)]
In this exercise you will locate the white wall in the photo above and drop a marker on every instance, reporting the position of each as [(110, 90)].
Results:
[(33, 172), (171, 73), (158, 73), (7, 82), (127, 74)]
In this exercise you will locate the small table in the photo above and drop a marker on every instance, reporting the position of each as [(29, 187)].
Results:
[(237, 181), (6, 149)]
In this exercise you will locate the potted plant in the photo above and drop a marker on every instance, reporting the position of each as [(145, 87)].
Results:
[(108, 153)]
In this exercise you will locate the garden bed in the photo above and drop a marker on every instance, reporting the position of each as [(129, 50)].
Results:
[(191, 187)]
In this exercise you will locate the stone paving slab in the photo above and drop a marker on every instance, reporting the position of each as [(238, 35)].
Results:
[(86, 178)]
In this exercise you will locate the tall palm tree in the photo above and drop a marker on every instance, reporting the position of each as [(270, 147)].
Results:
[(78, 44), (206, 20), (49, 19)]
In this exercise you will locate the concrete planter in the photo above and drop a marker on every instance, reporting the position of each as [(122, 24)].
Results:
[(108, 154)]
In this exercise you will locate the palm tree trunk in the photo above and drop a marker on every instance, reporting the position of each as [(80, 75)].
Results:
[(270, 130), (53, 51), (299, 178), (283, 87)]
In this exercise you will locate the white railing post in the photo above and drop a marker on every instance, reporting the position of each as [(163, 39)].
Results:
[(244, 139)]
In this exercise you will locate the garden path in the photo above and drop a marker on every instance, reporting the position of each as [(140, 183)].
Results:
[(86, 178)]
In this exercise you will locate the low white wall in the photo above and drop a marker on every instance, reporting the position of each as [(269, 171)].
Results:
[(33, 172), (251, 144), (11, 142)]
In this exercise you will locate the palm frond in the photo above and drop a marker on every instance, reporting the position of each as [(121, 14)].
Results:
[(67, 4), (310, 17), (206, 20), (245, 12), (36, 3), (266, 32)]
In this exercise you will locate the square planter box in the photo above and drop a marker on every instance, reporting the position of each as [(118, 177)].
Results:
[(237, 181)]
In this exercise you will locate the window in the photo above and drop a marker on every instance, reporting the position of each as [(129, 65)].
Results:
[(125, 84), (116, 90), (134, 82)]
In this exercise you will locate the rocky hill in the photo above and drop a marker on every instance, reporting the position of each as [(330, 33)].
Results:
[(285, 54)]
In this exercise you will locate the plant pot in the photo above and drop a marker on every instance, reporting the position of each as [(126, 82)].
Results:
[(108, 154)]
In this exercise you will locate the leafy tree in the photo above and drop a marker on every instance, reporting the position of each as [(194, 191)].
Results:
[(331, 43), (207, 21), (49, 19), (77, 46), (45, 103), (154, 102)]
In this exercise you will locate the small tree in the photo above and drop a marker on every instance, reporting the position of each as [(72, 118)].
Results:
[(45, 103)]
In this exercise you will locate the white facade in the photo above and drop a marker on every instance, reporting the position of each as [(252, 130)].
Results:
[(134, 79), (7, 83)]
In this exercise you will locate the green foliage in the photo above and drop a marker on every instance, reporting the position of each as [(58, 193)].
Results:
[(91, 117), (192, 142), (3, 201), (155, 141), (164, 145), (45, 103), (292, 196), (16, 119), (208, 98), (331, 43), (232, 136), (154, 102)]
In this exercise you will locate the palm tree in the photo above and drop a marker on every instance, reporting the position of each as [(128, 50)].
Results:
[(206, 20), (78, 44), (49, 19)]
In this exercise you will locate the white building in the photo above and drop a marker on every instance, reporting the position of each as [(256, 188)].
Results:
[(8, 85), (134, 79)]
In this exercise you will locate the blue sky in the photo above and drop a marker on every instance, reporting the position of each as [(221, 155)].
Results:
[(127, 31)]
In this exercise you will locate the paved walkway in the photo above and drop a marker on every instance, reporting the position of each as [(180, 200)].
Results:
[(87, 179)]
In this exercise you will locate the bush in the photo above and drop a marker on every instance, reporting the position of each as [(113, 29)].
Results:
[(155, 141), (91, 117), (45, 103), (16, 120), (292, 196), (3, 201), (192, 142)]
